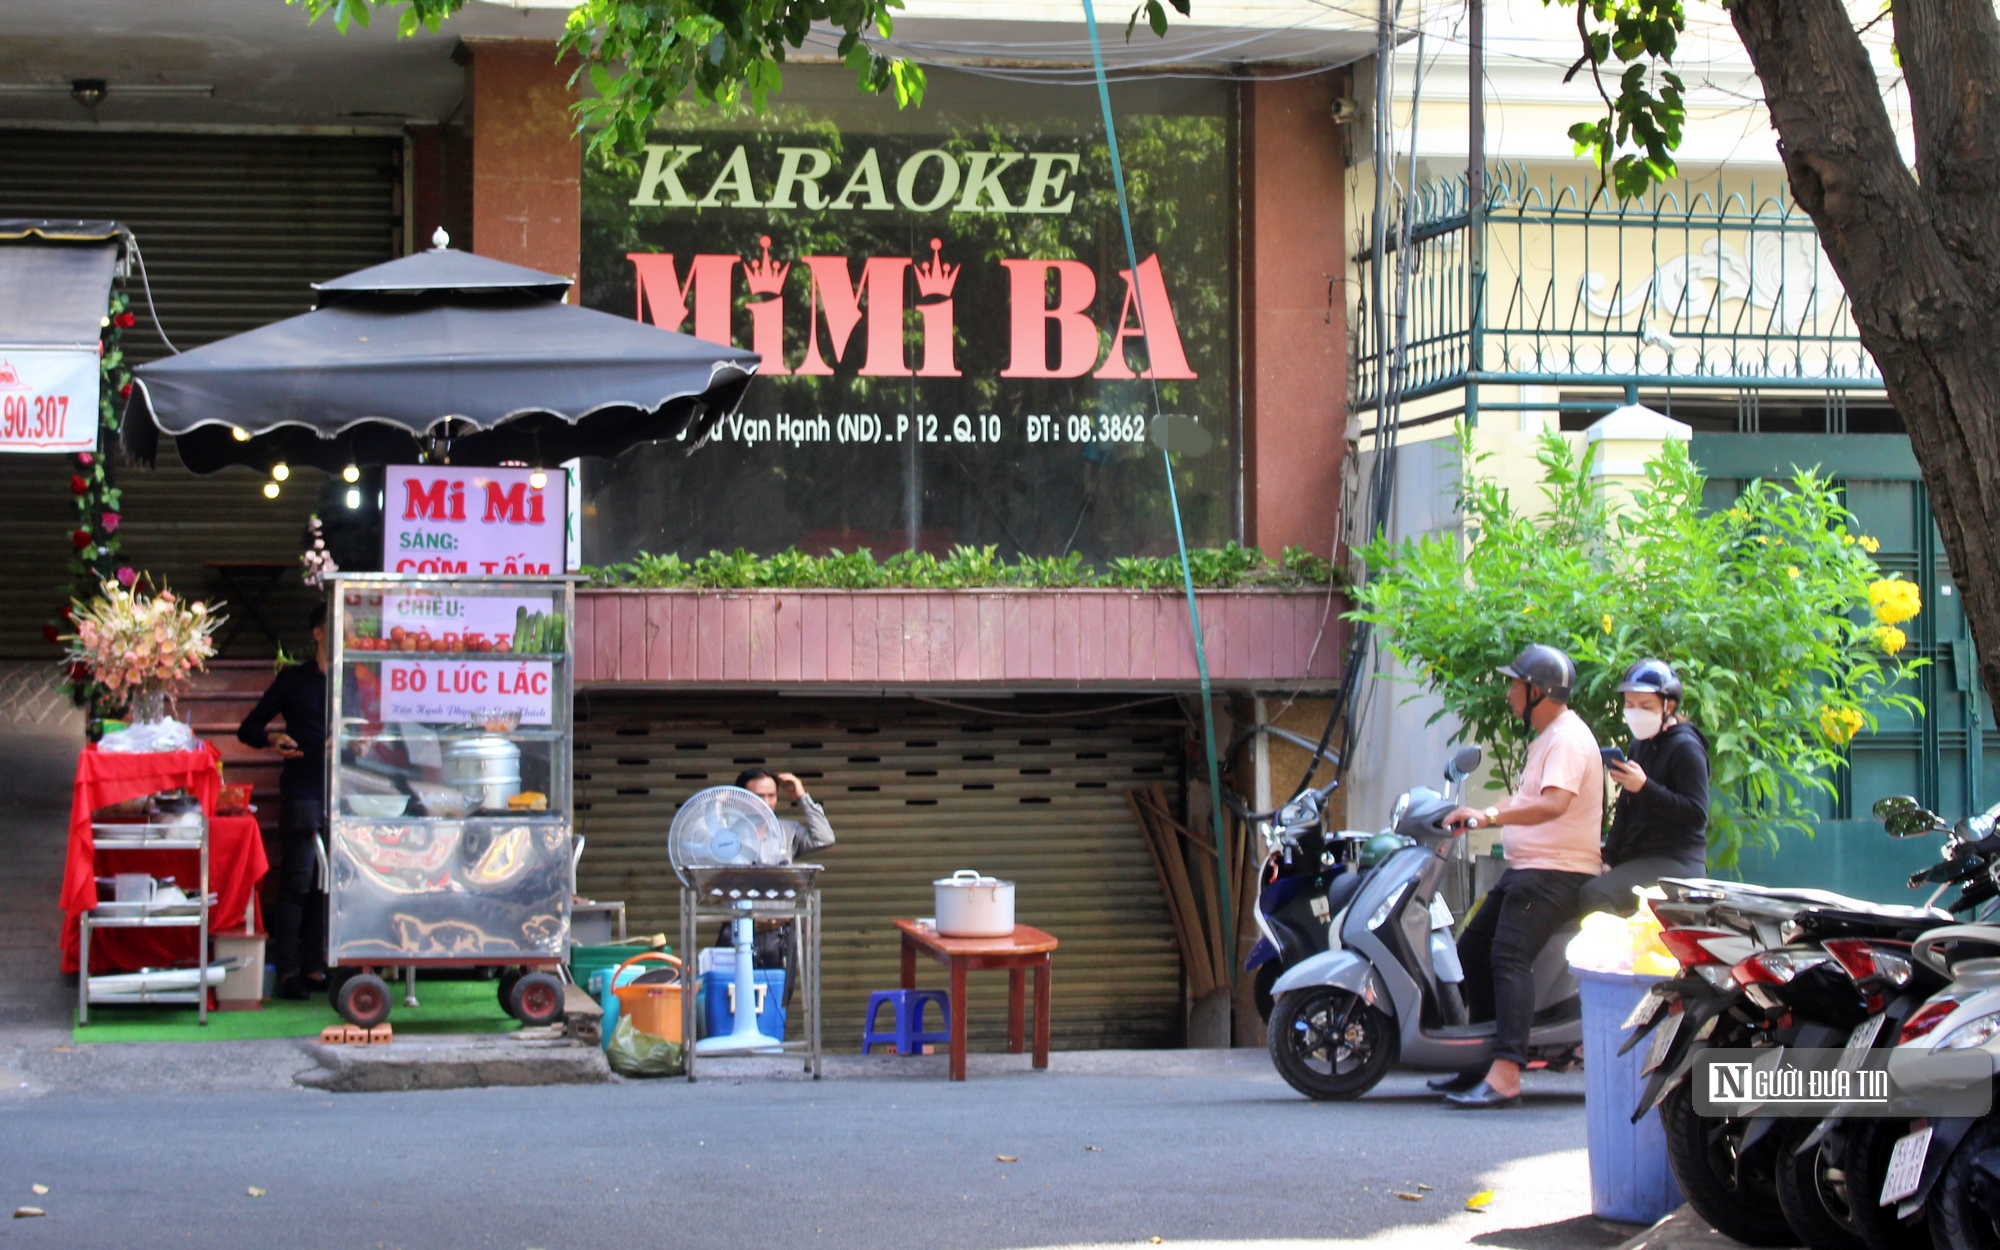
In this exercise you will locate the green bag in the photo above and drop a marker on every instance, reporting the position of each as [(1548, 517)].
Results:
[(632, 1053)]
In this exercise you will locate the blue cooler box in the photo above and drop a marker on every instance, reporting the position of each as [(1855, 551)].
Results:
[(1629, 1177), (717, 1010)]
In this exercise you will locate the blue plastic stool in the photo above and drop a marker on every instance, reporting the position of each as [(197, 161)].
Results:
[(908, 1036)]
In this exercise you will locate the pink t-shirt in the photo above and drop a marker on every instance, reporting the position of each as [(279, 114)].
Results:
[(1562, 757)]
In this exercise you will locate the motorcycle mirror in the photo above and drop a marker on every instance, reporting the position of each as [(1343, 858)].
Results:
[(1904, 817), (1464, 763)]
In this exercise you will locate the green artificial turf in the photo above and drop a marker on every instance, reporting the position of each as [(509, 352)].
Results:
[(447, 1007)]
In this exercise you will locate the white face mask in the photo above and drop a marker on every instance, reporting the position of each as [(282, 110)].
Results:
[(1642, 723)]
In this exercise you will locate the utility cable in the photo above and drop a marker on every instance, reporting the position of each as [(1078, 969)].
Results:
[(1173, 502)]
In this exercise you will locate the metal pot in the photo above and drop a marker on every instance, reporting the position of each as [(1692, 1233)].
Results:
[(969, 905), (487, 768)]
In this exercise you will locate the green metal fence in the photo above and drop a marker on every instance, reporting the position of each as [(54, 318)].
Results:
[(1546, 285)]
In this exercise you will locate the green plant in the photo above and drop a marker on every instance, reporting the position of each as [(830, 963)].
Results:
[(965, 568), (1763, 607)]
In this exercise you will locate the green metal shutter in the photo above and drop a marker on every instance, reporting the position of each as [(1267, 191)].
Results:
[(914, 792), (234, 229)]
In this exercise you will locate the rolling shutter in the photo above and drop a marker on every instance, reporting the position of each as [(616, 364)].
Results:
[(914, 791), (234, 229)]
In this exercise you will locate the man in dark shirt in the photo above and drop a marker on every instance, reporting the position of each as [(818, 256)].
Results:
[(297, 920)]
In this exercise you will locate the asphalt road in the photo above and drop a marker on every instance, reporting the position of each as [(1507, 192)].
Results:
[(1115, 1150)]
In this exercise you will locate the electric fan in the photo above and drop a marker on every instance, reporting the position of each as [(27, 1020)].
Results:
[(729, 827)]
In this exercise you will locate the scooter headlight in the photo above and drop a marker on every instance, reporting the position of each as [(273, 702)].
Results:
[(1388, 905), (1974, 1032)]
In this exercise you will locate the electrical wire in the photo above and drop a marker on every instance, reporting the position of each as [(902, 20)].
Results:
[(1173, 502), (152, 310)]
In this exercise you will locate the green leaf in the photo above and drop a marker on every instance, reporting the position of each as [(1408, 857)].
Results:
[(1156, 17)]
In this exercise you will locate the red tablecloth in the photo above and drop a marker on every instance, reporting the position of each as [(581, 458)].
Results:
[(236, 860)]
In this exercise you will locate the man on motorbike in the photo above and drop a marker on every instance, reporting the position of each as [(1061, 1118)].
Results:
[(1552, 826), (1659, 826)]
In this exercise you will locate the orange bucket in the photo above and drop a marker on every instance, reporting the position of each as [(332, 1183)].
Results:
[(654, 1009)]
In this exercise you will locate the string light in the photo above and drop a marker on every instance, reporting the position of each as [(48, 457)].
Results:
[(350, 474), (238, 433), (280, 471), (353, 499), (538, 479), (270, 490)]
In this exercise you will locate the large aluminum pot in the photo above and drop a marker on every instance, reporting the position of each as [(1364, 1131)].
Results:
[(486, 768), (969, 905)]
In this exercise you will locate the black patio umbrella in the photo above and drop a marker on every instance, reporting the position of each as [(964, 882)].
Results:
[(438, 357)]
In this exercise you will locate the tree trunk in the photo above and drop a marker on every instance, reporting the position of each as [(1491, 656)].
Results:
[(1920, 261)]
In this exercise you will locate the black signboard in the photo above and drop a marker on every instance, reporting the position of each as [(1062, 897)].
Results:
[(950, 327)]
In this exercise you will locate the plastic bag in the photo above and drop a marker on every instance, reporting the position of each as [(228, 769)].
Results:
[(164, 735), (632, 1053), (1608, 943)]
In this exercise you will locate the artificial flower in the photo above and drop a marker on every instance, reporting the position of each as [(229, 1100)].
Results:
[(126, 576), (110, 521)]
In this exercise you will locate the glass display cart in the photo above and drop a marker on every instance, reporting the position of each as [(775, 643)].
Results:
[(451, 834)]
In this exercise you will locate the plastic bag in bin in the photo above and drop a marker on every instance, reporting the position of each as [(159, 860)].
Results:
[(1608, 943)]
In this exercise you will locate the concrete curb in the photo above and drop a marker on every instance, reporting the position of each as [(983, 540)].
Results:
[(452, 1062), (1682, 1230)]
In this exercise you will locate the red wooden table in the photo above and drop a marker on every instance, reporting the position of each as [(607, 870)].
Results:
[(1025, 948)]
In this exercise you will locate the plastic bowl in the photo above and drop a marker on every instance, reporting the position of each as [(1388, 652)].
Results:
[(378, 804)]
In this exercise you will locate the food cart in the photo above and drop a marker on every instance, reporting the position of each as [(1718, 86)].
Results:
[(451, 834)]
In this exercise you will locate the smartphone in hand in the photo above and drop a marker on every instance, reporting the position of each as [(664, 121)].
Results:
[(1611, 755)]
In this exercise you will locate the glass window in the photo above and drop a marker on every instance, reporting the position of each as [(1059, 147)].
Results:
[(950, 326)]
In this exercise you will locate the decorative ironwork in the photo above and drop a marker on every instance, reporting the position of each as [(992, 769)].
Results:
[(1684, 288)]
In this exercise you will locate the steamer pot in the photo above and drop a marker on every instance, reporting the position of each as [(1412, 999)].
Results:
[(970, 905)]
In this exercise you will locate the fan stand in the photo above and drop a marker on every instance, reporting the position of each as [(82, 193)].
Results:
[(745, 1037)]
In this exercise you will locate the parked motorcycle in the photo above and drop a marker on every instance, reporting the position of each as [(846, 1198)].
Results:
[(1387, 987), (1767, 967), (1936, 1181)]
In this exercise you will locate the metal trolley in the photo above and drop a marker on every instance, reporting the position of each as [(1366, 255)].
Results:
[(787, 893), (451, 833)]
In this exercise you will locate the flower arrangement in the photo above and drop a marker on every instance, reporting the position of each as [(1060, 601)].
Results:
[(137, 645)]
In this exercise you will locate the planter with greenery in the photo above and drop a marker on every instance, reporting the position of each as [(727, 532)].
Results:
[(1772, 610), (967, 568)]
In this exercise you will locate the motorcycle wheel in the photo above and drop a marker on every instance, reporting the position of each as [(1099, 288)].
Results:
[(1330, 1045), (1964, 1200), (1865, 1159), (1705, 1169), (1812, 1191)]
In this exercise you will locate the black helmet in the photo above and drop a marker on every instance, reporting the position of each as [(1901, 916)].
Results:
[(1546, 669), (1652, 677)]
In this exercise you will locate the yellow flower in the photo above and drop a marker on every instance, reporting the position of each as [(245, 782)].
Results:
[(1847, 540), (1606, 622), (1890, 639), (1894, 600), (1869, 545), (1792, 571), (1839, 724)]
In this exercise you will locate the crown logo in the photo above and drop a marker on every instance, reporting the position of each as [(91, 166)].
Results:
[(765, 277), (8, 377), (936, 278)]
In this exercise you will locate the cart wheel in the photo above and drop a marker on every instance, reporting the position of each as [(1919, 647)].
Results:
[(538, 1000), (509, 978), (335, 978), (363, 1000)]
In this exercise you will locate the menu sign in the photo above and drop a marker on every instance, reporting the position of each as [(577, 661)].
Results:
[(48, 400), (474, 522), (458, 622), (449, 692)]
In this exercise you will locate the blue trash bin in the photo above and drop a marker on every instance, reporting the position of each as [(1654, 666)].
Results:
[(1630, 1180)]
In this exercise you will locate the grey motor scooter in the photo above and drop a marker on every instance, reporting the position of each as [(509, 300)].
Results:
[(1387, 990)]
